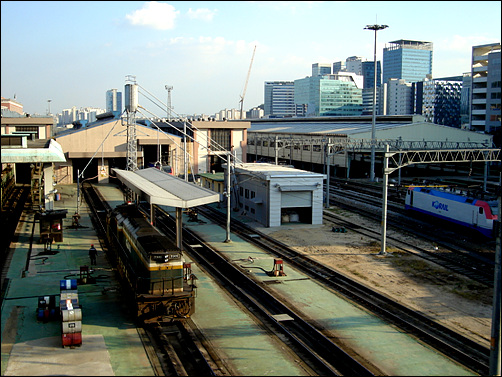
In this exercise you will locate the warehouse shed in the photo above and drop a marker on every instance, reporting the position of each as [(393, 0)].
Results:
[(303, 142), (275, 194)]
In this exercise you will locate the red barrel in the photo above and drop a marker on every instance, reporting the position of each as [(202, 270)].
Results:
[(73, 339)]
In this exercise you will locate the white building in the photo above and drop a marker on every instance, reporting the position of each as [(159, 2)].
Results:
[(276, 194), (399, 100)]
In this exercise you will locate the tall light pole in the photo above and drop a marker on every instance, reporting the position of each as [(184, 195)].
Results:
[(372, 171)]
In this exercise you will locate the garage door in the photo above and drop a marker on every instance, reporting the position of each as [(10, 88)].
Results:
[(291, 199)]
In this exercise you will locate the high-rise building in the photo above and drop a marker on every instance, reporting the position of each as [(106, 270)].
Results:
[(407, 60), (438, 100), (321, 69), (113, 101), (465, 101), (486, 88), (368, 72), (354, 64), (330, 95), (399, 97), (338, 67), (279, 99)]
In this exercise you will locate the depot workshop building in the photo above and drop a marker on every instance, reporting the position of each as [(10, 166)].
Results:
[(302, 142)]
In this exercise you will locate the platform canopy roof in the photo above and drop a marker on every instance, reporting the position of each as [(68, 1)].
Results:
[(164, 189), (36, 152)]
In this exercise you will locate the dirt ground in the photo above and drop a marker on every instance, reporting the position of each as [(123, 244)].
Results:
[(453, 300)]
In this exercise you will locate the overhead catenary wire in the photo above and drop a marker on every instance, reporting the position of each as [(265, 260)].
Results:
[(209, 141)]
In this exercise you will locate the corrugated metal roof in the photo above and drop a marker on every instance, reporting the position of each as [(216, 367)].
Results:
[(164, 189), (319, 128), (267, 171)]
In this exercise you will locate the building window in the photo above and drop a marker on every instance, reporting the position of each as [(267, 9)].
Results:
[(34, 130), (246, 194), (220, 138), (241, 191)]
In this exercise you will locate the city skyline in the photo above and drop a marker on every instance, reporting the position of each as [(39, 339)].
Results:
[(71, 53)]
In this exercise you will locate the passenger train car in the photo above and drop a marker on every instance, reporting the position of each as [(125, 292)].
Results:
[(455, 207), (159, 280)]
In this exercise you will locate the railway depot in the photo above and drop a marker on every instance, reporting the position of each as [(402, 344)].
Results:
[(338, 145), (299, 194)]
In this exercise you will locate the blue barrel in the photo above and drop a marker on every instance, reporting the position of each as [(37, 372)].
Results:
[(40, 314), (68, 284)]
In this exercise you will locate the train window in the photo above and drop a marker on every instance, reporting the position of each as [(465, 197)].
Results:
[(480, 210)]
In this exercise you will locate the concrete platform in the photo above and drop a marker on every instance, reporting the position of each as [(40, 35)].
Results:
[(394, 352), (111, 344), (110, 341)]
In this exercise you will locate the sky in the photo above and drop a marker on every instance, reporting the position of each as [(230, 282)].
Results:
[(72, 52)]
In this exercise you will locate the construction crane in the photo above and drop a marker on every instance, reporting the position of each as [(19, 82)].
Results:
[(246, 84)]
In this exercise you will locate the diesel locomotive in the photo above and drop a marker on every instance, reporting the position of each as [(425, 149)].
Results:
[(461, 209), (157, 277)]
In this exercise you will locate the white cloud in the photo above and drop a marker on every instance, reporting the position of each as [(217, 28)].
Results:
[(201, 14), (160, 16)]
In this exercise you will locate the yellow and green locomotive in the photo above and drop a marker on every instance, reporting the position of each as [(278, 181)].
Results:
[(158, 278)]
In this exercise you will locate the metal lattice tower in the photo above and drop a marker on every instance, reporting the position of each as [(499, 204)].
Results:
[(169, 105), (131, 100)]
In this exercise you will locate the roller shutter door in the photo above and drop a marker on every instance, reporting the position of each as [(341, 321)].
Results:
[(291, 199)]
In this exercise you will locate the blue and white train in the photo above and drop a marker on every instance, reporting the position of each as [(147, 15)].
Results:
[(455, 207)]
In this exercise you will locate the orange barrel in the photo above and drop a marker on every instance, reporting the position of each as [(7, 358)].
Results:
[(71, 315), (71, 327)]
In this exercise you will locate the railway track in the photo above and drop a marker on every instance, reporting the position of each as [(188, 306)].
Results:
[(449, 254), (467, 352), (171, 349), (301, 336), (11, 213), (314, 348)]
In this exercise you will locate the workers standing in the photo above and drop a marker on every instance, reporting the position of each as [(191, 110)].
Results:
[(92, 254)]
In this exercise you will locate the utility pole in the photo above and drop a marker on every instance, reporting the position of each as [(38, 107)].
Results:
[(495, 332), (372, 169), (228, 198)]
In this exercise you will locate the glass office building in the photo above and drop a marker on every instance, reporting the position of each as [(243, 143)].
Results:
[(321, 69), (407, 60), (329, 95), (439, 100)]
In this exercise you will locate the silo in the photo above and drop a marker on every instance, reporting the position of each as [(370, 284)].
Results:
[(131, 97)]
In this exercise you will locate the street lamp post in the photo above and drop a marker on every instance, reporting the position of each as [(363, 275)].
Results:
[(372, 170)]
